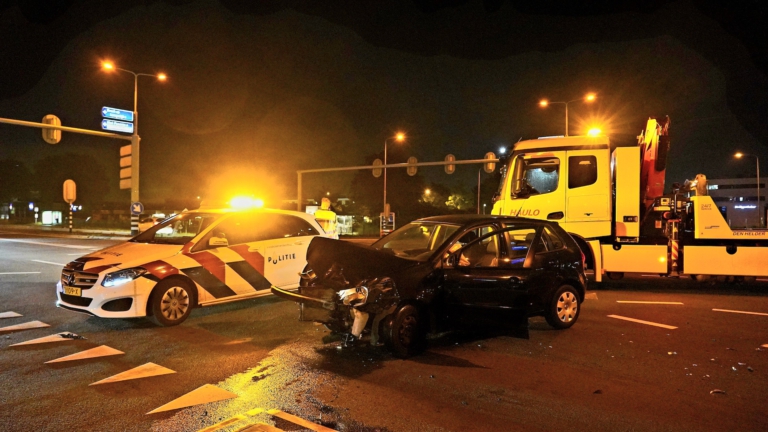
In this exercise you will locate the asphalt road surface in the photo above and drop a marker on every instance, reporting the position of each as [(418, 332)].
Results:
[(708, 372)]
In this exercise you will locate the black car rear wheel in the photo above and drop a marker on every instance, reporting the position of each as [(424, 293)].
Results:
[(563, 308), (406, 336)]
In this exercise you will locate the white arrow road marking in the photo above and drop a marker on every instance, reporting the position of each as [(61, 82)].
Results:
[(201, 395), (99, 351), (46, 339), (144, 371), (49, 262), (48, 244), (741, 312), (642, 322), (10, 314), (25, 326)]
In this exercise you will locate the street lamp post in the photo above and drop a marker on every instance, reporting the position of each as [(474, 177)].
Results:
[(739, 155), (400, 137), (135, 139), (588, 98)]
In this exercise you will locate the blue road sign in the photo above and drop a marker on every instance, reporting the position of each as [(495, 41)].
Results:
[(137, 208), (117, 114), (117, 126)]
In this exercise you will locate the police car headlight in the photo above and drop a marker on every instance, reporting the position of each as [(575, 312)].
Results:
[(122, 276)]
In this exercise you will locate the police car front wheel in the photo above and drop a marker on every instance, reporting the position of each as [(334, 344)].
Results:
[(171, 303)]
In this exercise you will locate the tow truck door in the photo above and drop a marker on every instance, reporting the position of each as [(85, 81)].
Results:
[(537, 187), (587, 185)]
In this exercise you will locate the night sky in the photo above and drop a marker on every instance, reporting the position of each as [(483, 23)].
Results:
[(257, 90)]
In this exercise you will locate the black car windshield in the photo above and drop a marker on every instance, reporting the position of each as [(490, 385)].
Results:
[(416, 240), (178, 229)]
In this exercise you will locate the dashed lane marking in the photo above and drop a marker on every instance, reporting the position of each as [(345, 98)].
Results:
[(765, 345), (99, 351), (49, 262), (48, 244), (650, 275), (201, 395), (18, 273), (58, 337), (25, 326), (762, 280), (642, 322), (741, 312), (10, 314), (144, 371), (590, 296), (649, 302), (299, 421)]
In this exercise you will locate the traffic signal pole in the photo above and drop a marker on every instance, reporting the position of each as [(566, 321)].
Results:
[(300, 173)]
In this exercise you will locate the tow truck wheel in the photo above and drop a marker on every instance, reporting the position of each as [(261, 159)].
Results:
[(171, 303), (564, 308), (406, 337)]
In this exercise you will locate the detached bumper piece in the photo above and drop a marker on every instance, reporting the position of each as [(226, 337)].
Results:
[(309, 301)]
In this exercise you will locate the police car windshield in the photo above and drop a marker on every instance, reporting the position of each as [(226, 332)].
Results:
[(417, 240), (177, 230)]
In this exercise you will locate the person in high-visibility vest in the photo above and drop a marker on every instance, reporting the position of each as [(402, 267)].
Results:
[(325, 216)]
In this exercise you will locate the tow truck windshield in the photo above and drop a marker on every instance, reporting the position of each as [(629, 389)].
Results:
[(177, 230), (534, 176)]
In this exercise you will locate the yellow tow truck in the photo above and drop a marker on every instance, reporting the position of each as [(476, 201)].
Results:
[(611, 200)]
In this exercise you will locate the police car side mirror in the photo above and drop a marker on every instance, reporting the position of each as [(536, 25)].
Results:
[(218, 242)]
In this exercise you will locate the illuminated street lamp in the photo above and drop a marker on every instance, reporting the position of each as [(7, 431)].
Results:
[(590, 97), (135, 139), (739, 155), (399, 137)]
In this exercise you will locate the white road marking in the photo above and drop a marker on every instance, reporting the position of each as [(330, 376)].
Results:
[(650, 275), (18, 273), (80, 253), (642, 322), (762, 280), (48, 244), (48, 262), (765, 345), (649, 302), (590, 296), (741, 312)]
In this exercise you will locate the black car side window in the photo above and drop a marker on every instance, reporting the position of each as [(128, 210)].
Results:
[(519, 241), (549, 241)]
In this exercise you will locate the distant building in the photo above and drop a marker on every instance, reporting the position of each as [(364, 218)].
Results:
[(737, 200)]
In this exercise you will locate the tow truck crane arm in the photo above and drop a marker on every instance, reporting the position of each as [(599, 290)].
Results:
[(654, 148)]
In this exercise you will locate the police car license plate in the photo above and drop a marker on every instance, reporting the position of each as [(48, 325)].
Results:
[(73, 291)]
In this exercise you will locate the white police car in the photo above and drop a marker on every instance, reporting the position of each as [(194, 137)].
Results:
[(196, 258)]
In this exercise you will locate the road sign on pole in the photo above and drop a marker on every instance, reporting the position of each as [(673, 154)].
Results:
[(117, 126), (137, 208), (117, 114)]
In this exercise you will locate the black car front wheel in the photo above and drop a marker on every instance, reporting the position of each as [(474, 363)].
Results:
[(563, 308), (406, 336)]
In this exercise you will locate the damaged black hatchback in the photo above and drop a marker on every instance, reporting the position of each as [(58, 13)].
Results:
[(436, 273)]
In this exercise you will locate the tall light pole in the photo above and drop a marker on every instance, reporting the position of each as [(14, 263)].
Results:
[(588, 98), (399, 137), (135, 139), (739, 155)]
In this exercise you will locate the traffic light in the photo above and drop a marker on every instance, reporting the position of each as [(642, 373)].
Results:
[(52, 136), (125, 167)]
